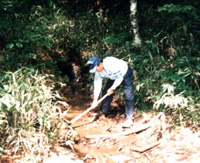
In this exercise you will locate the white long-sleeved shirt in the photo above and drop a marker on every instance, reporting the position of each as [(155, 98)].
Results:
[(115, 69)]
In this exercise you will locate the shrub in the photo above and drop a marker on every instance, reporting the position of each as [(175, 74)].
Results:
[(30, 118)]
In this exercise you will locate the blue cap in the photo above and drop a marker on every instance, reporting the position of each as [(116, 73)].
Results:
[(93, 62)]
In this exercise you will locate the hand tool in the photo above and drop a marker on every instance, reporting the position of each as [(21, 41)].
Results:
[(86, 111)]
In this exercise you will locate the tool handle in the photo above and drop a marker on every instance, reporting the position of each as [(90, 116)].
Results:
[(90, 108)]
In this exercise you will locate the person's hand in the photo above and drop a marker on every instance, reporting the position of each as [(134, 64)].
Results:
[(110, 91), (94, 104)]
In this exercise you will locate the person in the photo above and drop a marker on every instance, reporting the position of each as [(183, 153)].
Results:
[(118, 72)]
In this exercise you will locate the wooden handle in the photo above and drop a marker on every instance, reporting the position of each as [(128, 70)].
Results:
[(86, 111)]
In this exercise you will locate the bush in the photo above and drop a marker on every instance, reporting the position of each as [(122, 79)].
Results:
[(30, 118)]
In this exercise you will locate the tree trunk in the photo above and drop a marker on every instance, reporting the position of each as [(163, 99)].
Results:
[(134, 23)]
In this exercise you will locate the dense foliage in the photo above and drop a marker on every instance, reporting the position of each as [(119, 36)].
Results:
[(30, 116), (49, 35), (173, 52)]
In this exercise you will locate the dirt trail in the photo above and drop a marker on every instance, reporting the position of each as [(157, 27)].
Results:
[(157, 144)]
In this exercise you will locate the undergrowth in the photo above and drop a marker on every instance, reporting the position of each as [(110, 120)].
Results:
[(30, 118)]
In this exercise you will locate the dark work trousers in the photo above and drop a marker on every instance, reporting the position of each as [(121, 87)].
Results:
[(129, 95)]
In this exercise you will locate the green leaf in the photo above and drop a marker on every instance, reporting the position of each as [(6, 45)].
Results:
[(10, 46), (19, 45)]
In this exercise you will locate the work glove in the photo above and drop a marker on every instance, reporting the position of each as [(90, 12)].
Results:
[(94, 104), (110, 91)]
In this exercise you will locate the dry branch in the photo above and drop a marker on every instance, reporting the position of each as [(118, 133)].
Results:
[(144, 127), (141, 150)]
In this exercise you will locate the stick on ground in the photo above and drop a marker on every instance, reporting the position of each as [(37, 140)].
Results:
[(144, 127), (141, 150)]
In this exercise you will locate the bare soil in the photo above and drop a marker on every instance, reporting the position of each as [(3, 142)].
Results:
[(103, 140)]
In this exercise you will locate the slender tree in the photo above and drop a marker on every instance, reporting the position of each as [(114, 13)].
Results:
[(134, 23)]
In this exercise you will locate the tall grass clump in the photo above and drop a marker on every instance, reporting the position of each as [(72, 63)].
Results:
[(30, 119)]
